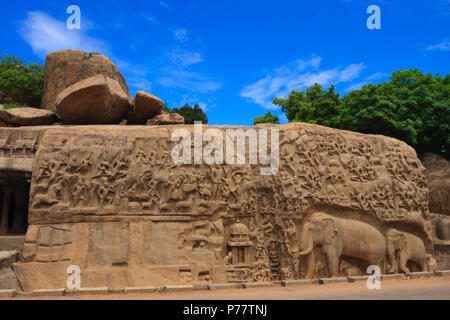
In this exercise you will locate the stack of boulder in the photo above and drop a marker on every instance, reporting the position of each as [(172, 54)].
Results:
[(87, 88)]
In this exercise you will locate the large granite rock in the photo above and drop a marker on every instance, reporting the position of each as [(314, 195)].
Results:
[(166, 119), (145, 106), (66, 67), (438, 178), (27, 117), (95, 100), (112, 201)]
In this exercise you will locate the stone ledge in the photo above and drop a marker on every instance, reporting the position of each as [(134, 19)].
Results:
[(218, 286), (357, 278), (288, 283), (332, 280), (257, 284), (418, 275), (116, 291), (47, 292), (392, 276), (176, 288), (140, 290), (442, 273), (8, 293), (99, 290)]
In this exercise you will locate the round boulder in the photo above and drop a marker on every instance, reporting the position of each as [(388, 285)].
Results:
[(145, 106), (66, 67), (27, 117), (95, 100)]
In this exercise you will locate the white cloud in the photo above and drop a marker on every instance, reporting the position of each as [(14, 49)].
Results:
[(185, 59), (181, 34), (184, 79), (183, 54), (165, 5), (297, 75), (45, 34), (444, 46)]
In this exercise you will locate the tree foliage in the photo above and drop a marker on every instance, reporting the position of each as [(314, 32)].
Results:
[(315, 105), (24, 83), (267, 118), (412, 106), (189, 113)]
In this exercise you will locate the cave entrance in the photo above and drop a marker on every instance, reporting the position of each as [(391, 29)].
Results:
[(14, 198)]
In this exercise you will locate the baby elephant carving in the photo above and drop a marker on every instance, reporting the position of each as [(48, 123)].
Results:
[(403, 247)]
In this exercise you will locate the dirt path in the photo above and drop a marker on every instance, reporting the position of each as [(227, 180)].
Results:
[(436, 288)]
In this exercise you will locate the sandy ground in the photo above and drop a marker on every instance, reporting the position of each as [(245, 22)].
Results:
[(436, 288)]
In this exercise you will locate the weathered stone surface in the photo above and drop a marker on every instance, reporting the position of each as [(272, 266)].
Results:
[(288, 283), (166, 119), (443, 229), (110, 200), (27, 117), (66, 67), (8, 279), (145, 106), (95, 100), (332, 280), (438, 177), (7, 258), (48, 293), (8, 293), (248, 285)]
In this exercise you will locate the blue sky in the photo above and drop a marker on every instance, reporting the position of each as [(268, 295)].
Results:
[(232, 57)]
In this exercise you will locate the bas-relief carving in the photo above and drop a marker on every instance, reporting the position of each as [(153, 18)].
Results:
[(336, 194)]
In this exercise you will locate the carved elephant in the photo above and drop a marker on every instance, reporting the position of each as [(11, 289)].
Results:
[(403, 247), (338, 237)]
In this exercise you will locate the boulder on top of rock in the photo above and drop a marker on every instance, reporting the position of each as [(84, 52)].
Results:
[(166, 119), (26, 117), (145, 107), (95, 100), (66, 67)]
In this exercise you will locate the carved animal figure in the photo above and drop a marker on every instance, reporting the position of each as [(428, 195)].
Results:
[(337, 237), (403, 247)]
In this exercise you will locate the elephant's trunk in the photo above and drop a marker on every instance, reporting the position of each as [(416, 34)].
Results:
[(308, 250), (392, 260)]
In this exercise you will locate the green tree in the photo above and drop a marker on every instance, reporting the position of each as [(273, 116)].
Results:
[(315, 105), (267, 118), (24, 83), (189, 113), (412, 106)]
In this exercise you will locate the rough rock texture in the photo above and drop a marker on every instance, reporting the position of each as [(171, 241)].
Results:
[(95, 100), (111, 200), (438, 178), (443, 229), (7, 258), (8, 279), (166, 119), (27, 117), (145, 106), (66, 67), (437, 174)]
